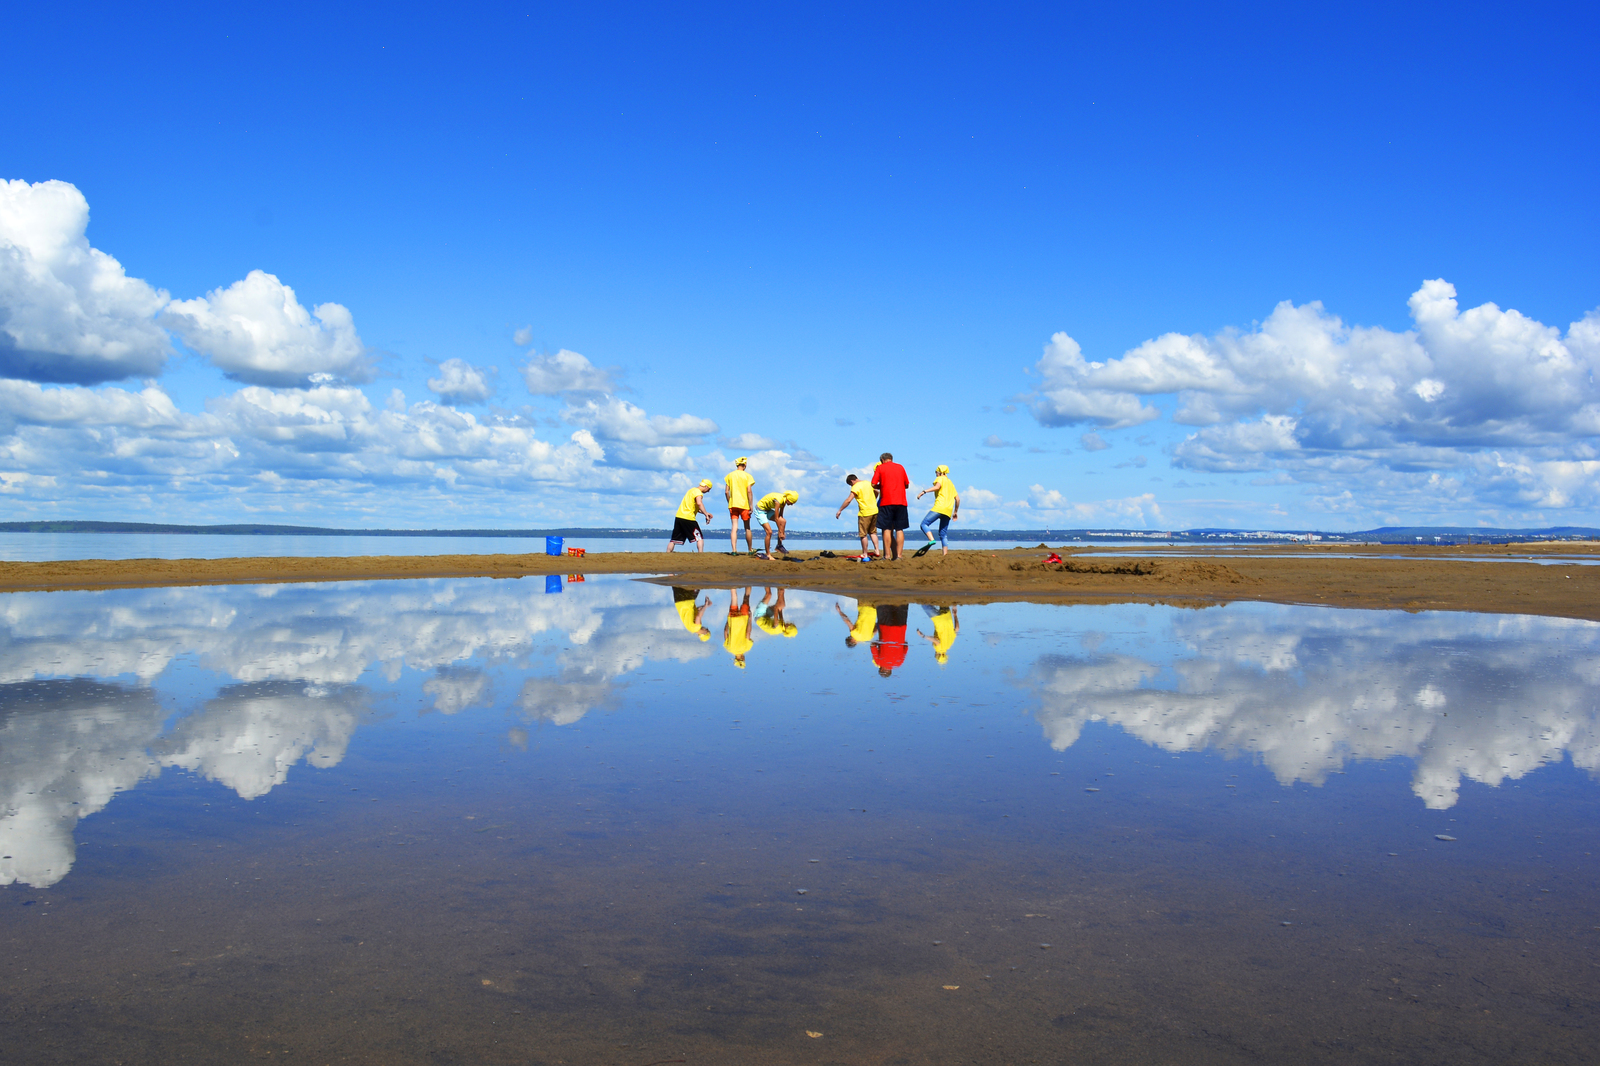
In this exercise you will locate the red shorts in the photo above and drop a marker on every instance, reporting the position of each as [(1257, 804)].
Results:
[(739, 516)]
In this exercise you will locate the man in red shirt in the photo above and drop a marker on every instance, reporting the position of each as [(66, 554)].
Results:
[(891, 481)]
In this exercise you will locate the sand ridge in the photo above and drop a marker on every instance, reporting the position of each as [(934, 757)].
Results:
[(1495, 579)]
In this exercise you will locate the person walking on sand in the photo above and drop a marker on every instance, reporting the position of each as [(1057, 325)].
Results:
[(736, 630), (946, 506), (866, 514), (684, 526), (739, 487), (769, 512), (892, 481), (946, 626)]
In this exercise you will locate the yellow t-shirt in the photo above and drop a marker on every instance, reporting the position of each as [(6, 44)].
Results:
[(944, 501), (944, 634), (736, 636), (769, 502), (739, 482), (866, 499), (769, 624), (866, 622), (686, 509), (686, 611)]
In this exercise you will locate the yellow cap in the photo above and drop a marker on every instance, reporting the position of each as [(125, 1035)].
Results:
[(941, 470), (791, 497), (705, 483), (743, 459)]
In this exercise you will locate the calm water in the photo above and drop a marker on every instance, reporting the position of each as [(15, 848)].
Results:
[(477, 821)]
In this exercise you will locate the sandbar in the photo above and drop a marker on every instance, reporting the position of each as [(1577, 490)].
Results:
[(1502, 579)]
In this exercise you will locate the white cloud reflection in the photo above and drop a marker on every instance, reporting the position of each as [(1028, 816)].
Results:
[(302, 659), (1306, 690)]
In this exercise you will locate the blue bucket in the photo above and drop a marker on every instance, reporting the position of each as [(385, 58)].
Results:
[(552, 546), (552, 582)]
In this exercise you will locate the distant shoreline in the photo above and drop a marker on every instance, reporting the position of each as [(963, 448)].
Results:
[(1442, 535)]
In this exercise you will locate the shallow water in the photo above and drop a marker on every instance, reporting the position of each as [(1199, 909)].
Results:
[(476, 821)]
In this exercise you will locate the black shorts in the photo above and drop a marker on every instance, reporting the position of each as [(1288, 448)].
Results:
[(893, 516), (892, 614), (684, 530)]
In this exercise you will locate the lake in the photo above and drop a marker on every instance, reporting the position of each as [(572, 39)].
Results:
[(545, 821)]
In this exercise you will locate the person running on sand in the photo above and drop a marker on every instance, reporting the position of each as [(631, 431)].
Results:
[(736, 630), (684, 527), (867, 514), (866, 621), (739, 487), (889, 645), (690, 613), (891, 481), (946, 506), (769, 616), (769, 512), (946, 625)]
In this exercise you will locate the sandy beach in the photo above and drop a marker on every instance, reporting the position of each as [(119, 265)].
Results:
[(1505, 579)]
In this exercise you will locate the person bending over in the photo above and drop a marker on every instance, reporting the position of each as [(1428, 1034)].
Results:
[(684, 526), (769, 512)]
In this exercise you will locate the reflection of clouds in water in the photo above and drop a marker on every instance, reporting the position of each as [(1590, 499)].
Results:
[(66, 747), (1307, 689), (248, 736), (455, 688), (329, 633), (587, 674)]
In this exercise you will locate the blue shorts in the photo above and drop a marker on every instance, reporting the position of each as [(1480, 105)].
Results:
[(767, 518)]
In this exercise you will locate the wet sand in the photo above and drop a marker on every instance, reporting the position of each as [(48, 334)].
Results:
[(1494, 579)]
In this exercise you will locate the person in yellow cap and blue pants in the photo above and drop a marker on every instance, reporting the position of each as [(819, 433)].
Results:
[(946, 506)]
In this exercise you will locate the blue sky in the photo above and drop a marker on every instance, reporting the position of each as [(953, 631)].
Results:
[(1147, 267)]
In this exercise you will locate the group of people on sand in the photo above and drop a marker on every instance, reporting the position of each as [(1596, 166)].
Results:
[(882, 509), (884, 626)]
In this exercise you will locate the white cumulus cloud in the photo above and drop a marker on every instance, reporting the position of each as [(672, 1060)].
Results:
[(459, 382), (68, 312), (256, 331), (552, 375)]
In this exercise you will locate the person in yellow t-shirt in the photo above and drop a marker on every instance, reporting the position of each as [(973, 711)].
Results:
[(690, 613), (769, 616), (684, 526), (866, 501), (946, 625), (861, 629), (769, 512), (946, 508), (740, 488), (736, 630)]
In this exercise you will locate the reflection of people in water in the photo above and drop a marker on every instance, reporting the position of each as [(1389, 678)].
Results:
[(736, 630), (946, 624), (889, 645), (769, 616), (861, 629), (689, 612)]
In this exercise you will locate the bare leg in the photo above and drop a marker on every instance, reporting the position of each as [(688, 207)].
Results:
[(766, 546)]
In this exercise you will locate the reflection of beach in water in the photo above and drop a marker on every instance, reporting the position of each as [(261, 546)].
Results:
[(1308, 690)]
